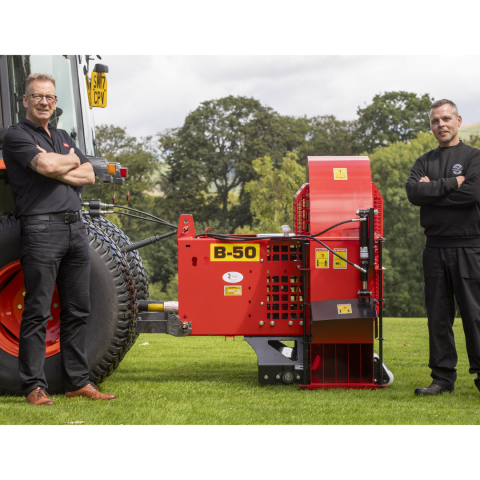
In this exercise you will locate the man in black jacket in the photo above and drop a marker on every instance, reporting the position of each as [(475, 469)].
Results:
[(45, 168), (445, 184)]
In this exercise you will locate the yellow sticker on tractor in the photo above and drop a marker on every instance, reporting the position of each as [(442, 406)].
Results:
[(235, 252), (232, 290), (340, 174), (338, 262), (344, 308), (321, 258)]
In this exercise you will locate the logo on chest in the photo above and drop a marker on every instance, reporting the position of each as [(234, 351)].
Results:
[(66, 145), (457, 169)]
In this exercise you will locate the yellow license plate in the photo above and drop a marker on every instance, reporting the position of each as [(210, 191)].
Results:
[(234, 252), (98, 90)]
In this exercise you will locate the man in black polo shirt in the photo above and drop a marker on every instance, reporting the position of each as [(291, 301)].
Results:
[(445, 184), (45, 168)]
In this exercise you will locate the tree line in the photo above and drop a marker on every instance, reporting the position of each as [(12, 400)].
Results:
[(235, 165)]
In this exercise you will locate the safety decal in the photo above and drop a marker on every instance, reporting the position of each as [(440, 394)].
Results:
[(232, 290), (232, 277), (321, 258), (231, 252), (344, 308), (338, 262), (340, 174), (457, 169)]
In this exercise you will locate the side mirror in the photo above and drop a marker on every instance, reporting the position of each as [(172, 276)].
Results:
[(100, 68)]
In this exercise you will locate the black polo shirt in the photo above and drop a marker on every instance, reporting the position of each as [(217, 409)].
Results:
[(33, 192)]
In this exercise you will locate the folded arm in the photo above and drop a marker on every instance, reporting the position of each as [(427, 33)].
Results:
[(77, 177), (52, 164), (422, 191), (469, 193)]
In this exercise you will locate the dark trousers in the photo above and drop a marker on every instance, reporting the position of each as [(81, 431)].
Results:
[(54, 252), (452, 273)]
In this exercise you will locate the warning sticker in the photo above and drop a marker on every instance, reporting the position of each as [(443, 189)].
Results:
[(340, 174), (344, 308), (232, 290), (321, 258), (338, 262)]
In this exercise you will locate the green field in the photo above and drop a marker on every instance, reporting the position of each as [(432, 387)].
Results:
[(207, 380), (466, 130)]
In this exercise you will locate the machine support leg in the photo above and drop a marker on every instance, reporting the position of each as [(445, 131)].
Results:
[(306, 342), (380, 308)]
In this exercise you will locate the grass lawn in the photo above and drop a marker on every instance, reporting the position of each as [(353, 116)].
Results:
[(207, 380)]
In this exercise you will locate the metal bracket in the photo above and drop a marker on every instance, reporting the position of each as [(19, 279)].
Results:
[(176, 327)]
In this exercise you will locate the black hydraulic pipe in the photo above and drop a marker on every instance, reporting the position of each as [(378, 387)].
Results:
[(364, 253), (148, 241), (306, 342), (380, 308), (371, 236)]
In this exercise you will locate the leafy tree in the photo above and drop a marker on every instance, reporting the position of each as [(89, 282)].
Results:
[(405, 239), (326, 135), (393, 117), (474, 141), (210, 156), (272, 194), (142, 160)]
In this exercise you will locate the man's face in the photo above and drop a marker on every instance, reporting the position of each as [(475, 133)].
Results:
[(40, 112), (444, 124)]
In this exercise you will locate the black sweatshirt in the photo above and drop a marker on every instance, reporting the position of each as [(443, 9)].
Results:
[(449, 214)]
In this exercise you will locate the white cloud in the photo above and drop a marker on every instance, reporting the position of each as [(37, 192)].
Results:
[(148, 94)]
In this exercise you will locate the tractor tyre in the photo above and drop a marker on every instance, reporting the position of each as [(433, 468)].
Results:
[(133, 259), (112, 316)]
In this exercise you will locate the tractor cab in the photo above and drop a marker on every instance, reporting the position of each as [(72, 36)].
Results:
[(79, 88)]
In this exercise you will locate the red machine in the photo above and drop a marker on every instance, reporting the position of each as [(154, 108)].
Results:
[(308, 302)]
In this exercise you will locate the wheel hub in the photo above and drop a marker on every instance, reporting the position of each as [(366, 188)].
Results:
[(12, 302)]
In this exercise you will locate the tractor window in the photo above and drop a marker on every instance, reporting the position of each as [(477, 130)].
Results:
[(59, 67)]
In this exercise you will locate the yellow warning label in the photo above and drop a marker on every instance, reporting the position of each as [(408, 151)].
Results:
[(232, 290), (344, 308), (321, 258), (338, 262), (340, 174)]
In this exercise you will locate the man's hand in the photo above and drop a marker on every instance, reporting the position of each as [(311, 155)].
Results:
[(424, 179), (460, 180), (77, 177)]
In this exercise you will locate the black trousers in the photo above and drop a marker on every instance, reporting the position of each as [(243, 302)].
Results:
[(452, 273), (54, 252)]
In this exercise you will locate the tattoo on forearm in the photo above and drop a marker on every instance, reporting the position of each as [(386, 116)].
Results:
[(33, 163)]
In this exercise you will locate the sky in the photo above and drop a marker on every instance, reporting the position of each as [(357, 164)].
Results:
[(148, 94)]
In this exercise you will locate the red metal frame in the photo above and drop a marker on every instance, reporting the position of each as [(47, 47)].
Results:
[(301, 210)]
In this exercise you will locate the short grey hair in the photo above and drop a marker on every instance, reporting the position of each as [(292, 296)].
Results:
[(38, 76), (444, 101)]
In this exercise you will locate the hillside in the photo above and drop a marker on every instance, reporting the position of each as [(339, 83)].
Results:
[(466, 130)]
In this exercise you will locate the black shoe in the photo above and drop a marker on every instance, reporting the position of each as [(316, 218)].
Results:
[(433, 389)]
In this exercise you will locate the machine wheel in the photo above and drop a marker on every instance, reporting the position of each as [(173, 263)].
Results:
[(110, 323), (133, 259)]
